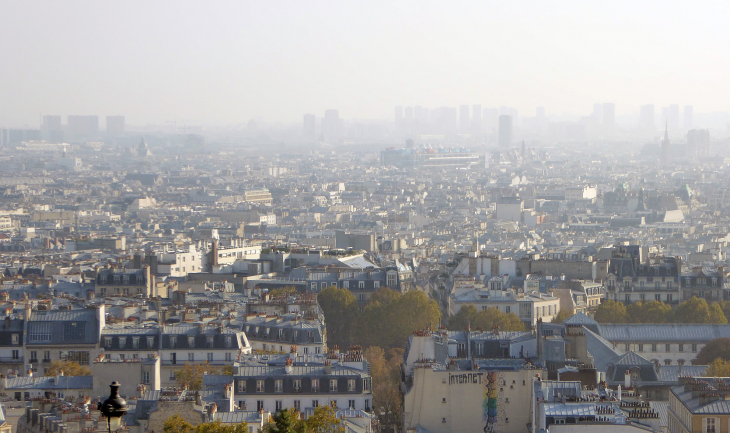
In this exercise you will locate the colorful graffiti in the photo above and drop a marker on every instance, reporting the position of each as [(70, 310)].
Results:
[(489, 405)]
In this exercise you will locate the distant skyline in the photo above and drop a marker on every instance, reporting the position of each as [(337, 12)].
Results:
[(229, 62)]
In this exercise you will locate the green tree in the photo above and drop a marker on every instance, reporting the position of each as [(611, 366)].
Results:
[(649, 312), (611, 312), (177, 424), (192, 375), (717, 316), (340, 312), (694, 310), (324, 420), (717, 348), (286, 421), (562, 315), (718, 368), (69, 368), (283, 291), (463, 318), (390, 318)]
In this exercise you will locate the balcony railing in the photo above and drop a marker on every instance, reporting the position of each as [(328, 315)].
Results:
[(11, 360)]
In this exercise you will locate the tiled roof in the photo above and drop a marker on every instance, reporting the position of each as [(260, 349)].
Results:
[(664, 332)]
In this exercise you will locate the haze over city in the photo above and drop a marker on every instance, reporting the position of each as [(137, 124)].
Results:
[(229, 62), (364, 217)]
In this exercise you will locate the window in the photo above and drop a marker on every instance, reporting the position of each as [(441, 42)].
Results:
[(315, 386), (350, 385), (709, 425), (16, 354), (333, 385), (191, 357), (46, 356), (228, 341), (191, 341), (241, 386), (209, 341), (367, 405), (278, 385), (376, 284), (259, 405), (627, 347), (228, 357), (694, 348), (315, 403), (346, 284), (108, 342), (681, 347), (16, 339), (121, 356), (297, 385), (351, 404), (173, 341), (361, 284), (135, 343), (122, 342), (297, 405), (658, 297), (135, 356), (210, 356), (643, 297), (145, 377), (627, 298), (150, 342), (172, 374), (259, 386), (333, 404), (641, 347), (279, 405), (33, 356), (667, 347), (653, 347)]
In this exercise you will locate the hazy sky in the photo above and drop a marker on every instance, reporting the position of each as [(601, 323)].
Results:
[(227, 62)]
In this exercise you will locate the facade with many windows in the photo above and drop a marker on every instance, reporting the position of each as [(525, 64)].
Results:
[(698, 404)]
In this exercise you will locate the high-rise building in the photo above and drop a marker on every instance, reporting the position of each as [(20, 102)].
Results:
[(476, 121), (609, 114), (309, 130), (505, 130), (597, 114), (398, 119), (464, 120), (688, 117), (409, 115), (646, 118), (115, 125), (671, 117), (81, 127), (51, 128), (698, 142), (489, 119), (332, 125)]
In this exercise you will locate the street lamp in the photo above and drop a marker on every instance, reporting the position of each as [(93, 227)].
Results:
[(113, 408)]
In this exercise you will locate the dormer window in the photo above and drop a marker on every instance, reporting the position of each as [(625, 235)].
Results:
[(191, 341)]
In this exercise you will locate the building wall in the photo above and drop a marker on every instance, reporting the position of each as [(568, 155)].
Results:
[(452, 401)]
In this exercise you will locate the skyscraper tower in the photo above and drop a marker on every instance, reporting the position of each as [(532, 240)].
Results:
[(665, 145), (505, 131)]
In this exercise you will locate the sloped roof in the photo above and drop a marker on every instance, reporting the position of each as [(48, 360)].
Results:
[(663, 332), (579, 319)]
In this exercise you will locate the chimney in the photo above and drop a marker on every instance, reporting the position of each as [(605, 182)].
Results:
[(28, 309)]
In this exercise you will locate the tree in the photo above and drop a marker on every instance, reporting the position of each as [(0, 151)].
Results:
[(694, 310), (324, 420), (286, 421), (717, 348), (340, 312), (177, 424), (717, 316), (283, 291), (562, 315), (390, 318), (718, 368), (192, 375), (69, 368), (611, 312), (228, 370), (385, 373), (649, 312)]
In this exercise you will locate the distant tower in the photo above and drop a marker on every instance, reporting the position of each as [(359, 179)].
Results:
[(505, 131), (143, 150), (665, 145)]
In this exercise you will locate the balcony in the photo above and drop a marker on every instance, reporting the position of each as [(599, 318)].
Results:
[(11, 360)]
